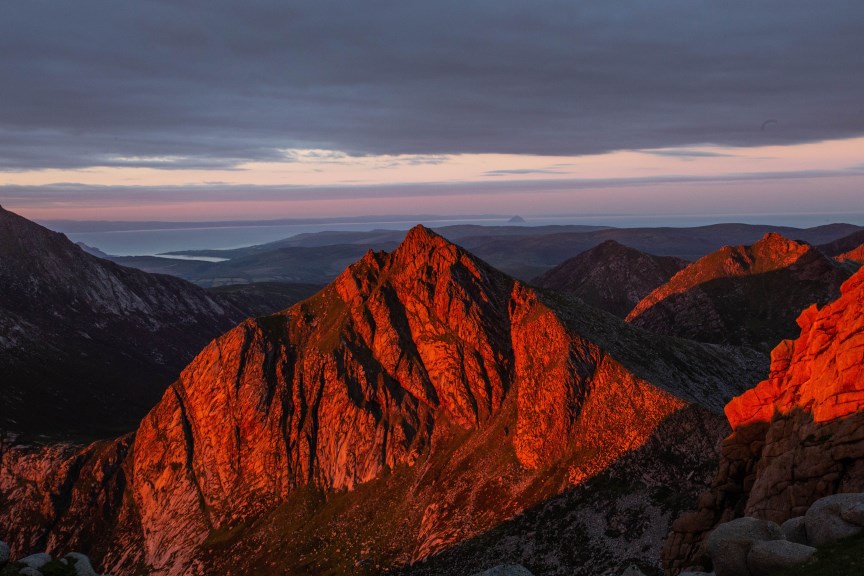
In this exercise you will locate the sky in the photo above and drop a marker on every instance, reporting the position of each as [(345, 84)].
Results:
[(213, 110)]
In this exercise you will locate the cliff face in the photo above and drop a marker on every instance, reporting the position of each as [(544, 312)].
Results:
[(797, 436), (611, 276), (90, 343), (423, 394), (742, 295)]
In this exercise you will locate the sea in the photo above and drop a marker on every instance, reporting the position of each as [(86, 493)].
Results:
[(218, 236)]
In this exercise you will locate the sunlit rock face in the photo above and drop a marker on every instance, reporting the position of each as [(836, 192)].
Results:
[(743, 295), (459, 394), (797, 436)]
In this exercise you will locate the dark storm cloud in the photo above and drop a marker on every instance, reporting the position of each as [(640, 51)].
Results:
[(204, 84)]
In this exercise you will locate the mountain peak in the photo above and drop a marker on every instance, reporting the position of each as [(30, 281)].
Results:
[(611, 276), (430, 256), (776, 251), (610, 244), (420, 235)]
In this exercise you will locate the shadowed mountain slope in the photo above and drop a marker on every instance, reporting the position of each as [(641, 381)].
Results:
[(848, 250), (264, 298), (611, 276), (844, 244), (424, 390), (87, 346), (742, 295)]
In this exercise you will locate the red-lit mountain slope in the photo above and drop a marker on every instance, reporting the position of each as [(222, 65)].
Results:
[(797, 436), (742, 295), (418, 401)]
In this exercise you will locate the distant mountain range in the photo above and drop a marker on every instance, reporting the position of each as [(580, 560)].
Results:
[(424, 413), (524, 252)]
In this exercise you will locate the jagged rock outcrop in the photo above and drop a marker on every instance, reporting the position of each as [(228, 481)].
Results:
[(611, 276), (797, 436), (423, 396), (742, 295), (87, 346)]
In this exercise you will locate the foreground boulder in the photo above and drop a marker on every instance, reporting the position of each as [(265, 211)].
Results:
[(795, 530), (36, 561), (42, 563), (729, 544), (834, 517)]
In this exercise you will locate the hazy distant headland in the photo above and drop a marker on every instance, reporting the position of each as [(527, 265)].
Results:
[(136, 238)]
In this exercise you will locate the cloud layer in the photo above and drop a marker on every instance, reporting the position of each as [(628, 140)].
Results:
[(217, 83)]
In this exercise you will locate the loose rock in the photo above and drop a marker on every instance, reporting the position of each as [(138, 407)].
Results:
[(834, 518), (730, 543), (81, 563), (36, 560), (768, 557), (4, 553), (795, 530)]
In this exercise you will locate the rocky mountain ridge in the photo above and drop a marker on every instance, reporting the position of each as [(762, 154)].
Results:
[(520, 251), (742, 295), (423, 380), (797, 436), (611, 276), (90, 343), (847, 248)]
